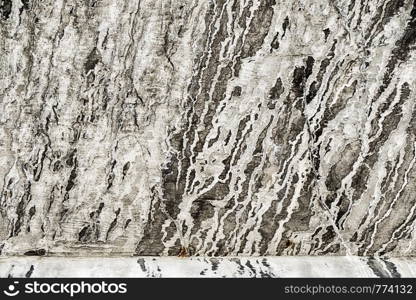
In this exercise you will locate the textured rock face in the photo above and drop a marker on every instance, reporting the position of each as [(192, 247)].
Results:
[(240, 127)]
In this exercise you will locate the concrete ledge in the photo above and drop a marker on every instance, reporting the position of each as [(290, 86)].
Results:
[(243, 267)]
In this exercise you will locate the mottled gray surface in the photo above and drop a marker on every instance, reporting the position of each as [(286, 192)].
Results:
[(202, 127), (234, 267)]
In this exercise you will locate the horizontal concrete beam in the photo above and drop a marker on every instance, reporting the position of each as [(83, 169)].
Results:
[(288, 266)]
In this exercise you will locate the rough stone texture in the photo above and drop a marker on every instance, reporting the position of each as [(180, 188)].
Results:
[(202, 127)]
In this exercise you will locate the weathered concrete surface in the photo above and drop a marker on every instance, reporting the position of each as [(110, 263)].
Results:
[(191, 127)]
